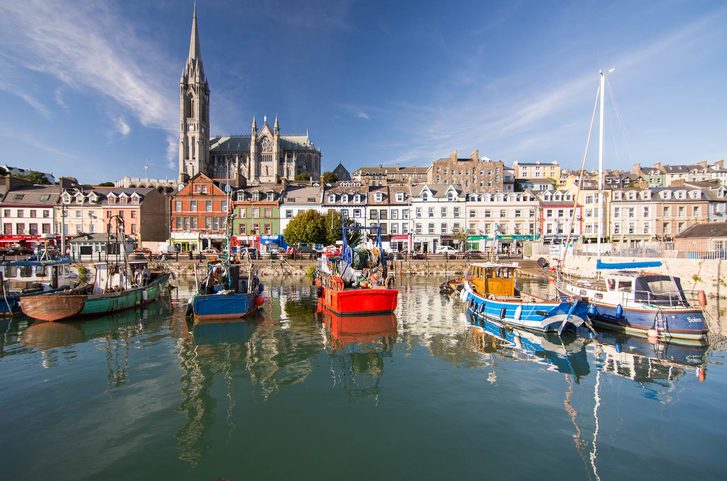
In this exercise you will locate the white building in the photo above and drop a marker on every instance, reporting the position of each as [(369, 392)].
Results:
[(437, 213), (509, 218)]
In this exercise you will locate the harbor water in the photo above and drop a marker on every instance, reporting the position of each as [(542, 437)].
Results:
[(424, 395)]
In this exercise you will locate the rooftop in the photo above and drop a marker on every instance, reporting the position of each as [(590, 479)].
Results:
[(713, 229)]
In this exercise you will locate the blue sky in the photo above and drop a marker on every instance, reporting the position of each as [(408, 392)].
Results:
[(89, 88)]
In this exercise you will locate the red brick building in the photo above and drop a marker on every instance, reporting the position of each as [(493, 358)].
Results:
[(199, 213)]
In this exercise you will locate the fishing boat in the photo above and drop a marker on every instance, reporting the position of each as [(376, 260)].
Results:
[(118, 285), (624, 295), (627, 298), (489, 291), (356, 282), (225, 293), (37, 275)]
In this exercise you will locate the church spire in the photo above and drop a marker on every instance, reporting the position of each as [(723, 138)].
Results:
[(254, 125), (194, 66), (276, 128)]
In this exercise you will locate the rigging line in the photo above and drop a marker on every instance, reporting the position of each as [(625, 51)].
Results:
[(580, 178), (620, 123)]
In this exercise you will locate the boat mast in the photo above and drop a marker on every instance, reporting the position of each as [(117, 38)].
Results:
[(601, 90)]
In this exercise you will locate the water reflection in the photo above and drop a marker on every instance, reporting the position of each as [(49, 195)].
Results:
[(359, 345)]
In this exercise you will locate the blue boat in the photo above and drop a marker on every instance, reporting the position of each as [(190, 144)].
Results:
[(226, 294), (33, 277), (639, 303), (490, 294)]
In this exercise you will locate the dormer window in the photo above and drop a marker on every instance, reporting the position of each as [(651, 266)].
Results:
[(379, 197), (450, 196), (79, 199), (357, 198), (135, 198), (66, 198), (256, 196), (93, 197), (332, 198), (123, 198), (240, 196), (271, 196), (473, 197), (344, 198), (112, 198), (425, 196)]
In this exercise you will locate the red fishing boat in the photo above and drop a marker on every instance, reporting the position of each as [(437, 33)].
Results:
[(352, 329), (356, 282)]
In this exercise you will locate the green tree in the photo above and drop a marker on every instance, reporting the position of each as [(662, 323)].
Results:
[(334, 232), (106, 184), (306, 228), (302, 176), (329, 177), (35, 177)]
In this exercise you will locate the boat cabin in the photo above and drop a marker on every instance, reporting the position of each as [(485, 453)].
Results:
[(493, 279), (34, 275), (634, 287)]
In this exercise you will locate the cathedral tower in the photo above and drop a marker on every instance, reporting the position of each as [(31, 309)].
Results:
[(194, 111)]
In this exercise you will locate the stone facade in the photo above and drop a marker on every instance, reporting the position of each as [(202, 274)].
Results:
[(473, 174)]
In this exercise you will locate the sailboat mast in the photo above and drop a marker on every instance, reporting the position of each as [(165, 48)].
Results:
[(601, 215)]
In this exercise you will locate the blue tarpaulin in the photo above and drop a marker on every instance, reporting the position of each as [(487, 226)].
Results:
[(627, 265)]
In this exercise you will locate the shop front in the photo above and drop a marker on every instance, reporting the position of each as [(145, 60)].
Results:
[(268, 242), (401, 242), (197, 241)]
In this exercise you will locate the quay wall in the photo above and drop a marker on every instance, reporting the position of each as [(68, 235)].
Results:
[(709, 275)]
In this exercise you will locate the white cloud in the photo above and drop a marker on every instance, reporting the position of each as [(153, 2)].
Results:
[(172, 152), (87, 45), (363, 115), (122, 126), (58, 97)]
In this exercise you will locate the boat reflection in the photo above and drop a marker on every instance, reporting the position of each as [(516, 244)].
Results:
[(565, 353), (217, 331), (645, 361), (49, 335), (359, 345)]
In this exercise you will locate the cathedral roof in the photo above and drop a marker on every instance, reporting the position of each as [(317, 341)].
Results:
[(241, 143)]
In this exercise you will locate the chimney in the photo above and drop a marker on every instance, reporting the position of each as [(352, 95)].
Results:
[(658, 166), (453, 155), (475, 155), (719, 164), (703, 164), (322, 184)]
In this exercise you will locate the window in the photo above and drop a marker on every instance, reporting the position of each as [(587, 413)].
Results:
[(268, 229), (45, 197), (488, 213), (271, 196), (443, 228), (456, 212), (357, 213), (430, 212), (268, 212), (255, 212), (418, 213), (193, 205), (242, 212), (503, 213), (631, 228), (400, 197), (373, 214), (404, 228), (667, 211), (20, 214), (379, 197), (133, 214), (382, 214), (33, 229), (223, 206), (394, 214), (20, 229), (444, 212), (394, 228), (31, 213), (121, 214), (517, 212), (332, 198), (45, 228), (344, 198), (667, 228), (682, 211), (646, 227), (208, 206), (133, 229), (425, 196), (646, 212), (631, 212), (177, 206), (472, 213), (288, 214), (431, 228), (242, 229), (405, 213), (695, 211), (616, 228), (78, 214), (357, 198)]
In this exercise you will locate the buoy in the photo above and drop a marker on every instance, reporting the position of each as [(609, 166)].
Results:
[(259, 301), (619, 311), (701, 374), (702, 298)]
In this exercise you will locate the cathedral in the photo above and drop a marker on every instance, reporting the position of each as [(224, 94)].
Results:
[(265, 155)]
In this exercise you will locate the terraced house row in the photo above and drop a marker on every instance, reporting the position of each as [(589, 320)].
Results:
[(423, 216)]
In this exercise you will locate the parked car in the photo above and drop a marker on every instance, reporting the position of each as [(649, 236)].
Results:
[(449, 250)]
